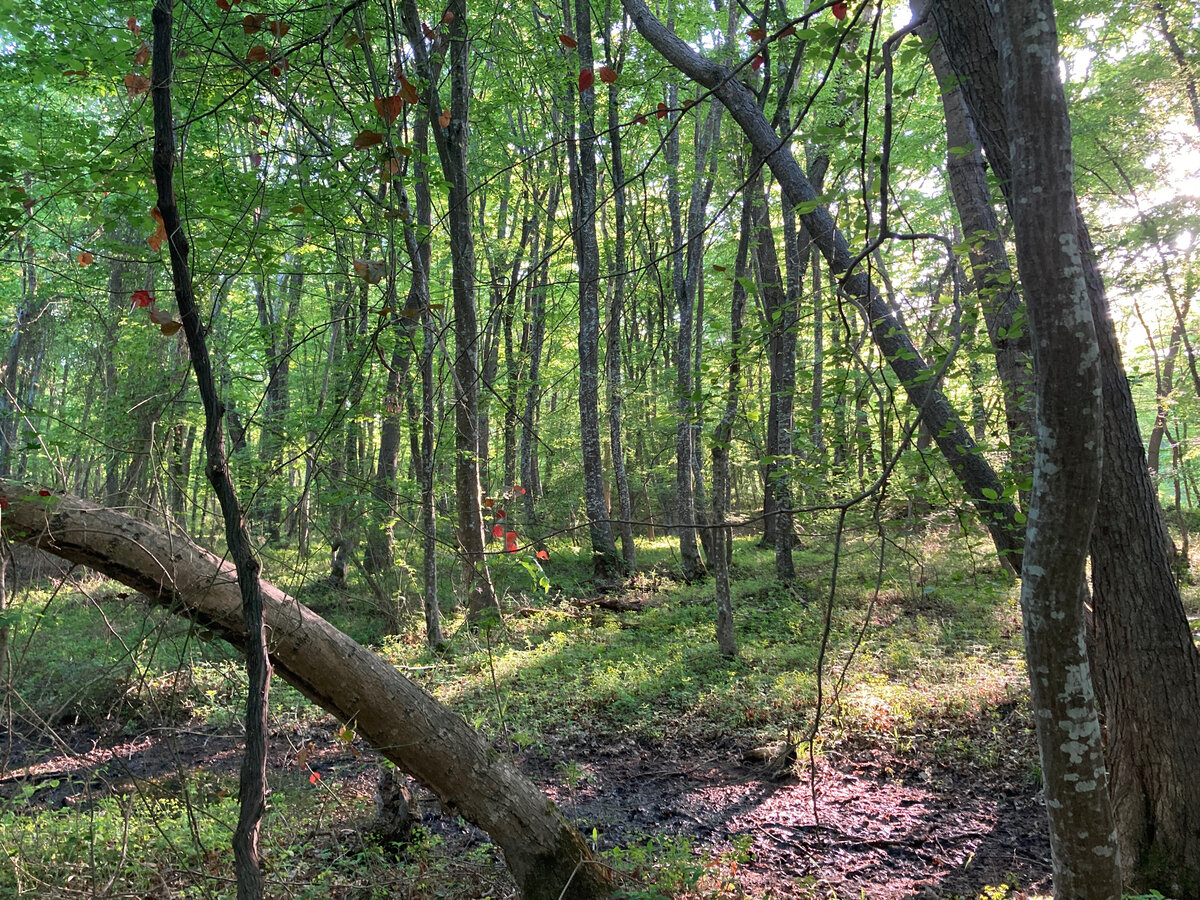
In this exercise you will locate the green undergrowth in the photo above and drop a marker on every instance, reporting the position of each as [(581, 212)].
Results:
[(924, 662)]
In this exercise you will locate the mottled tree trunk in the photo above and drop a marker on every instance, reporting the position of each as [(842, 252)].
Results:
[(1150, 699), (1067, 460)]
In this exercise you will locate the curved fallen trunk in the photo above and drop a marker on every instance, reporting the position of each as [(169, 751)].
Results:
[(546, 855)]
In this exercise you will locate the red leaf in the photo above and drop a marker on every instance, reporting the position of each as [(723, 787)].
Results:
[(501, 514), (389, 107), (136, 85), (85, 258), (756, 34), (3, 503), (510, 542), (542, 554), (788, 32), (253, 22), (839, 10), (428, 32), (256, 159), (366, 138), (756, 63), (517, 489), (132, 24), (662, 110), (142, 298), (408, 91), (607, 75), (567, 41), (223, 5), (497, 531), (43, 493), (642, 120), (586, 80), (314, 777), (257, 53)]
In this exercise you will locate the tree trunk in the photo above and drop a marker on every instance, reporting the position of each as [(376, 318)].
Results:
[(605, 560), (451, 142), (547, 856), (252, 786), (1151, 700), (1067, 462)]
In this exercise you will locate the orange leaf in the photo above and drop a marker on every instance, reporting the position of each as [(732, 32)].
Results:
[(132, 24), (567, 41), (366, 138), (788, 32), (253, 22), (279, 28), (314, 777), (444, 119), (488, 502), (542, 554), (408, 91), (86, 259), (756, 34), (136, 85), (391, 167), (142, 56), (369, 270), (642, 120), (447, 17), (156, 215), (586, 80), (662, 110), (257, 53), (156, 240), (607, 75), (389, 107)]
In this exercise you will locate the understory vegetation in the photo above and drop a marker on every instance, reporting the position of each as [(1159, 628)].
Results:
[(922, 669)]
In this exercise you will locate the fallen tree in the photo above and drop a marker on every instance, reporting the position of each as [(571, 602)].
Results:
[(547, 856)]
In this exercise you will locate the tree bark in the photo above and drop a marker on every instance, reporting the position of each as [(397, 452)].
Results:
[(1150, 698), (452, 142), (547, 856), (252, 787), (605, 560), (1067, 461)]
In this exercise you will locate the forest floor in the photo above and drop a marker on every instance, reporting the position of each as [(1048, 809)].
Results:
[(690, 772), (884, 825)]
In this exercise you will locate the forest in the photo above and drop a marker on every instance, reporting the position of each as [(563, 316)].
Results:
[(610, 448)]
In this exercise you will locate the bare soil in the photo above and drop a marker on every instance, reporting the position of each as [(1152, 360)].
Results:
[(866, 823)]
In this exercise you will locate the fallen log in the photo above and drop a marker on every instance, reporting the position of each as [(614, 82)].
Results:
[(547, 856)]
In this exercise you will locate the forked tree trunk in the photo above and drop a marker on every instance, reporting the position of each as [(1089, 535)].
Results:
[(547, 856), (1147, 664), (1067, 460)]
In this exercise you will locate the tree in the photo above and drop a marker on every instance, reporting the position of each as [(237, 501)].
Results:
[(547, 856), (1068, 457), (1152, 734)]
